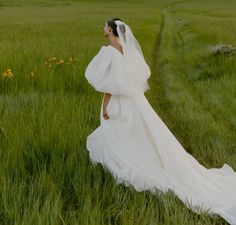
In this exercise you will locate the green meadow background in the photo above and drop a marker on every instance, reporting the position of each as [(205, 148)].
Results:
[(47, 107)]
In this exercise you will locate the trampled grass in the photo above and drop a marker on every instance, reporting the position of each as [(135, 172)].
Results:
[(46, 112)]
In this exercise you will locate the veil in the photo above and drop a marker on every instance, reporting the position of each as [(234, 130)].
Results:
[(126, 36), (127, 39)]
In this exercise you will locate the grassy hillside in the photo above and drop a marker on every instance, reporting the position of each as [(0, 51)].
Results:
[(47, 108)]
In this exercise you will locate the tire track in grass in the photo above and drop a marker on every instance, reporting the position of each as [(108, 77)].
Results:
[(159, 90), (169, 82)]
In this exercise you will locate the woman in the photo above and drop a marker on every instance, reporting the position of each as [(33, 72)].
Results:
[(134, 143)]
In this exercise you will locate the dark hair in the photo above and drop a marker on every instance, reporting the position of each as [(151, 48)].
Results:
[(111, 23)]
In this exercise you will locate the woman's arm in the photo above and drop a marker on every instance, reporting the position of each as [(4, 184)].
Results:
[(106, 99)]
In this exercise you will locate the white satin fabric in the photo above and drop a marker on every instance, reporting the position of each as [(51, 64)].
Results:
[(139, 149)]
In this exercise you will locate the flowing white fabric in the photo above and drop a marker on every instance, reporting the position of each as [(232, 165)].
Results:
[(128, 43), (139, 149), (126, 37)]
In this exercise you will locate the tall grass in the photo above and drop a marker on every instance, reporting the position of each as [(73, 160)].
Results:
[(46, 175)]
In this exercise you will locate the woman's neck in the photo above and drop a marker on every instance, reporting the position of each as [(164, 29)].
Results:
[(114, 41)]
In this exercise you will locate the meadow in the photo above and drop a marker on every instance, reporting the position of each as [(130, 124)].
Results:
[(47, 108)]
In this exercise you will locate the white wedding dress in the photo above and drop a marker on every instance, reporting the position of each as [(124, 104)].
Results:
[(138, 148)]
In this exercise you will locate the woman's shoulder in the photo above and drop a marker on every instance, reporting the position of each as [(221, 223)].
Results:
[(105, 47), (105, 50), (103, 54), (107, 53), (109, 48)]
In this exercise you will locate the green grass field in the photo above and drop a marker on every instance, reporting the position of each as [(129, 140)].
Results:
[(47, 108)]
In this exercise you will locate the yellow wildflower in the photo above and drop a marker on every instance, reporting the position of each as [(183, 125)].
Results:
[(30, 76), (61, 61), (8, 74)]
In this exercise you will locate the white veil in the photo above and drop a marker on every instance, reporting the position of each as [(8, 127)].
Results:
[(127, 39), (126, 36)]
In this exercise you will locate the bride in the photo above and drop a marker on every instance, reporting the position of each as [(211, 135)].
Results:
[(134, 143)]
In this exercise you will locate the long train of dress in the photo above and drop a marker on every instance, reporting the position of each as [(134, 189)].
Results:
[(139, 150)]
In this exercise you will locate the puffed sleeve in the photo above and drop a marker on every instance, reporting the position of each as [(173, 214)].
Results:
[(105, 73)]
